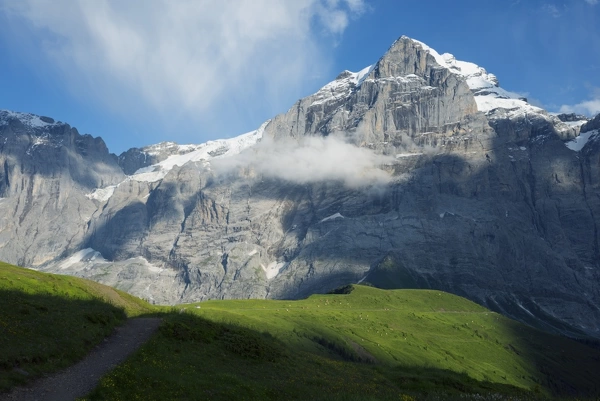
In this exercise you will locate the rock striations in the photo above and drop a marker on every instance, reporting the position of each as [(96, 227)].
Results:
[(484, 196)]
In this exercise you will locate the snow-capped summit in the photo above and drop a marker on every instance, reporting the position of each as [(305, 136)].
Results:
[(27, 119), (481, 197), (342, 86), (485, 86), (182, 154)]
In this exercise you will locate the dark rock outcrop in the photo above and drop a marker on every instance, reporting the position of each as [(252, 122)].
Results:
[(571, 117), (591, 125)]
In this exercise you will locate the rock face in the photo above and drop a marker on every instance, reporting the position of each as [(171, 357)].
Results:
[(136, 158), (572, 117), (47, 167), (483, 200)]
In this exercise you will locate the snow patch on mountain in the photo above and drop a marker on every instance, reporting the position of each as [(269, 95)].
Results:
[(575, 124), (86, 256), (360, 76), (202, 153), (408, 79), (485, 86), (273, 269), (438, 58), (102, 194), (578, 143), (151, 268), (26, 118), (170, 147), (332, 217), (403, 155), (342, 87)]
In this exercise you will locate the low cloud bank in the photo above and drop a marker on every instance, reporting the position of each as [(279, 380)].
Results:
[(311, 160), (589, 108)]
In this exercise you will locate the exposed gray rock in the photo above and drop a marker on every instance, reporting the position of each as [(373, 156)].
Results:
[(47, 168), (591, 125), (571, 117), (137, 158), (492, 206)]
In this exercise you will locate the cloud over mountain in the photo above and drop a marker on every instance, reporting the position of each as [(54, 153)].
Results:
[(184, 59), (310, 160), (589, 107)]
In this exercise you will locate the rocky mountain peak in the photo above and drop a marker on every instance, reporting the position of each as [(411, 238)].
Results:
[(572, 118), (406, 57), (28, 120), (136, 158), (485, 196), (593, 124), (343, 75), (38, 133)]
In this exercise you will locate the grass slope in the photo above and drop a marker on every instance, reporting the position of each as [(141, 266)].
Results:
[(363, 344), (368, 344), (48, 322)]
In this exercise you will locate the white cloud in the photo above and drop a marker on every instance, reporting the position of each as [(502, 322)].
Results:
[(592, 2), (310, 160), (589, 107), (185, 58), (552, 10)]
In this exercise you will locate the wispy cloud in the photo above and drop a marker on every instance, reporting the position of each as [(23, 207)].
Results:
[(310, 160), (589, 107), (552, 10), (592, 2), (184, 58)]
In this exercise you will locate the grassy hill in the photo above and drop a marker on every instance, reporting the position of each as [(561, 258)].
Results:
[(361, 344), (417, 328), (48, 322), (365, 344)]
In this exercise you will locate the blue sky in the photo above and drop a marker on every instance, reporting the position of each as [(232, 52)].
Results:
[(145, 71)]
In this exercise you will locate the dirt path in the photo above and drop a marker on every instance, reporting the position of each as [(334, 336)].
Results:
[(81, 378)]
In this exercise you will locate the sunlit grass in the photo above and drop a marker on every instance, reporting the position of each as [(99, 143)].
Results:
[(364, 344), (369, 344), (408, 327), (195, 359)]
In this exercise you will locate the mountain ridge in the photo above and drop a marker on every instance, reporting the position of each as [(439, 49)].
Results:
[(490, 204)]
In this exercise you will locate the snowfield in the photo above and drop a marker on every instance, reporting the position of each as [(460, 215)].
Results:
[(202, 153), (578, 143), (488, 94)]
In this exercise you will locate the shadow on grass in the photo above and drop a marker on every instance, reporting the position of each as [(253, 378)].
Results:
[(556, 365), (43, 333), (565, 367), (193, 358)]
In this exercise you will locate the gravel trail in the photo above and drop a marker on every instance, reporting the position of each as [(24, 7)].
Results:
[(81, 378)]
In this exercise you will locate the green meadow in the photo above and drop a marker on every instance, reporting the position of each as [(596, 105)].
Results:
[(362, 343), (48, 322)]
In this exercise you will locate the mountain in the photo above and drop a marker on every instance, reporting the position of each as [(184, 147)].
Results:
[(419, 171)]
